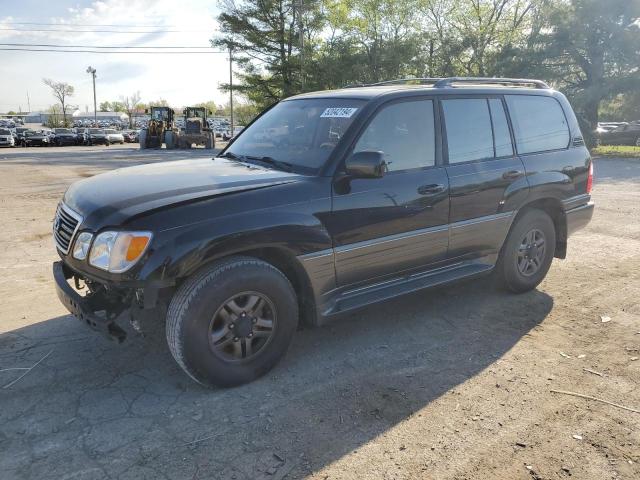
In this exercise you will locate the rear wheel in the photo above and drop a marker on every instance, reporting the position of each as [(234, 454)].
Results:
[(232, 322), (527, 253)]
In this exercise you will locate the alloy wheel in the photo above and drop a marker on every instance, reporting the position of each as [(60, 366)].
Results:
[(531, 253), (242, 326)]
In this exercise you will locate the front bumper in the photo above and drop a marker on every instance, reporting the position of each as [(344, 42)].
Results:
[(84, 308), (579, 217)]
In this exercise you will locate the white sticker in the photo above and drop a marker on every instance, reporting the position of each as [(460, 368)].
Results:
[(338, 112)]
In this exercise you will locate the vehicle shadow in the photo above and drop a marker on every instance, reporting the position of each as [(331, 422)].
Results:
[(115, 410)]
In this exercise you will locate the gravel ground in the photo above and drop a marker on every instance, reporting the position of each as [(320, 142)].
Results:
[(448, 384)]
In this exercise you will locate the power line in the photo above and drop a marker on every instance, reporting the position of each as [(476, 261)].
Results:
[(100, 31), (86, 25), (90, 46), (106, 52)]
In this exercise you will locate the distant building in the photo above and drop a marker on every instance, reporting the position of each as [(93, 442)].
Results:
[(37, 117), (101, 116)]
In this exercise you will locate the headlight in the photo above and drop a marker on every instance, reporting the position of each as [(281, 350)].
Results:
[(117, 252), (81, 247)]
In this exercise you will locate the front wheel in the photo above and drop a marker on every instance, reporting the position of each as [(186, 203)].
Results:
[(232, 322), (527, 253)]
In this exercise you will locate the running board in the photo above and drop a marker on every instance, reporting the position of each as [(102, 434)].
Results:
[(357, 298)]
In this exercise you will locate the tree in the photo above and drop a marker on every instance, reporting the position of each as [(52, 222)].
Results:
[(61, 91), (130, 105), (264, 36), (591, 50), (105, 106)]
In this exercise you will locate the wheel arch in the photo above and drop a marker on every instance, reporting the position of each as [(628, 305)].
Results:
[(554, 208), (284, 260)]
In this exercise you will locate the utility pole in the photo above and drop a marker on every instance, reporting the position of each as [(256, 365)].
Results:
[(231, 86), (92, 71), (28, 102)]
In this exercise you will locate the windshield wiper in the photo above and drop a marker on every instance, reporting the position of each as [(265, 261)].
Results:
[(279, 164), (231, 155)]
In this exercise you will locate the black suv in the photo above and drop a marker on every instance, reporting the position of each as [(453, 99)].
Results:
[(327, 202)]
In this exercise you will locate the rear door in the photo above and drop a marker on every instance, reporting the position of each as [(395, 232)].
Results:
[(487, 179), (397, 223)]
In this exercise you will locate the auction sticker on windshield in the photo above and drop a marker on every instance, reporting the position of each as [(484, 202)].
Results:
[(338, 112)]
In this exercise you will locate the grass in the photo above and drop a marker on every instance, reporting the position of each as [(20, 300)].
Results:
[(616, 151)]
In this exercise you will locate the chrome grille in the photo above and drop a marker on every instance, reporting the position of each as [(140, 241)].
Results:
[(65, 224)]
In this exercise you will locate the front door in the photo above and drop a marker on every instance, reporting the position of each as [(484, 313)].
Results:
[(397, 223), (486, 177)]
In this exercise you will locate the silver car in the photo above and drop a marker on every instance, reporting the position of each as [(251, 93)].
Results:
[(114, 136)]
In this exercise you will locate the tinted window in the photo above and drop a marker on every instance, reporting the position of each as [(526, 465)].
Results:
[(501, 135), (539, 123), (404, 132), (469, 134)]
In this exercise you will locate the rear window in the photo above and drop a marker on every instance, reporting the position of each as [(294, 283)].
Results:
[(539, 123)]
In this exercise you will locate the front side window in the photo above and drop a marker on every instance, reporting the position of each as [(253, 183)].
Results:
[(405, 133), (302, 133), (538, 122), (469, 132)]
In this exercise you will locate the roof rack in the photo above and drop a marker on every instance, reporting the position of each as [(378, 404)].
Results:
[(451, 81), (448, 82)]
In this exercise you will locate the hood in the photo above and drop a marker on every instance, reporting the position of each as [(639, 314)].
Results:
[(113, 198)]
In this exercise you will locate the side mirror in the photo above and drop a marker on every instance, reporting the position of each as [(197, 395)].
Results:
[(367, 164)]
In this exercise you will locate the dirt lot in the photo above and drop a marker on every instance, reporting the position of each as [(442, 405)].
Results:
[(449, 384)]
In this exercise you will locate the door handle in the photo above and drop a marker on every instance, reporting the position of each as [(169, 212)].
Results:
[(512, 174), (432, 189)]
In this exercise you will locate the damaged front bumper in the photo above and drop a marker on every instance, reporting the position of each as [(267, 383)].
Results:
[(96, 309)]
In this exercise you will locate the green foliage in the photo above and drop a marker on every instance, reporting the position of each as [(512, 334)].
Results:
[(590, 49), (616, 151)]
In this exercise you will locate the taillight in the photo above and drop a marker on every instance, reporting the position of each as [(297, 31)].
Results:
[(590, 177)]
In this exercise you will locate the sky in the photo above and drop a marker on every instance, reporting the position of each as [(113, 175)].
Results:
[(182, 79)]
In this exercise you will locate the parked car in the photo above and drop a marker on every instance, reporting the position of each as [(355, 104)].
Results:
[(114, 136), (628, 134), (96, 136), (6, 138), (226, 135), (32, 138), (361, 195), (18, 134), (64, 136)]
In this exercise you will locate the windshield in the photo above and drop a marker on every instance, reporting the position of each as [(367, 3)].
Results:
[(29, 133), (302, 133), (5, 132), (62, 130), (110, 131), (95, 130), (20, 130)]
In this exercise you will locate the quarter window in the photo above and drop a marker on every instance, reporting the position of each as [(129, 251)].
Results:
[(539, 123), (405, 133), (469, 132)]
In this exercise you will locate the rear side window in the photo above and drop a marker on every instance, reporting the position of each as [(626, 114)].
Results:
[(539, 123), (405, 133), (469, 132)]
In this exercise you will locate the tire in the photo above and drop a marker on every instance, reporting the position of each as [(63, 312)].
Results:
[(106, 144), (520, 269), (201, 332)]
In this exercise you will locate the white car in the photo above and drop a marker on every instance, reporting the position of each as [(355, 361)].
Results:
[(114, 136), (6, 138)]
